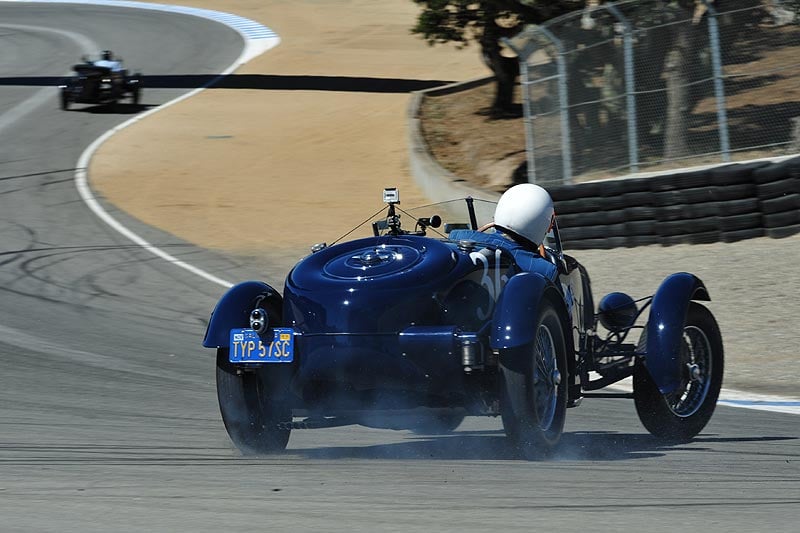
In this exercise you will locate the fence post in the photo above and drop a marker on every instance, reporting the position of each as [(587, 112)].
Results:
[(526, 107), (523, 55), (630, 88), (563, 97), (719, 89)]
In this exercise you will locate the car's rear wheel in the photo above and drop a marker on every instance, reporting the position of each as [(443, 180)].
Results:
[(682, 414), (535, 387), (64, 99), (254, 405)]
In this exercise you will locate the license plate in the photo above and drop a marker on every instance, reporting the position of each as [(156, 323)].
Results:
[(247, 347)]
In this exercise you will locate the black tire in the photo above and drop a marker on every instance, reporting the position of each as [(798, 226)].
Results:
[(697, 195), (64, 99), (740, 222), (727, 193), (590, 219), (740, 235), (737, 207), (788, 202), (562, 193), (776, 189), (535, 387), (640, 227), (592, 232), (679, 416), (673, 240), (735, 173), (633, 241), (670, 213), (613, 202), (580, 233), (780, 233), (685, 180), (254, 402), (253, 405), (640, 213), (685, 227), (664, 184), (135, 96), (579, 205), (664, 198), (636, 199), (780, 220), (789, 168), (706, 237), (597, 244)]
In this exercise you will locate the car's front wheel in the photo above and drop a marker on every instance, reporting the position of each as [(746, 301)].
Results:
[(535, 380), (254, 405), (64, 99), (682, 414)]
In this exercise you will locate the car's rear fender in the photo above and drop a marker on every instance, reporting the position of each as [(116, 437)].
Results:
[(514, 322), (233, 310), (665, 327)]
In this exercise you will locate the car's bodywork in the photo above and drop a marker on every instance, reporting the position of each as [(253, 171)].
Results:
[(406, 330)]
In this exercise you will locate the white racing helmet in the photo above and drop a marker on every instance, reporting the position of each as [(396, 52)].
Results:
[(526, 210)]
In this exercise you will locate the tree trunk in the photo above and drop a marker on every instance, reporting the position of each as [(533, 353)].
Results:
[(505, 69)]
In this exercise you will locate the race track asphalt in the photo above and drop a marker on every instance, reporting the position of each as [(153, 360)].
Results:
[(108, 415)]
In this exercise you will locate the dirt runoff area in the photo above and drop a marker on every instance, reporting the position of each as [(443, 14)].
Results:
[(323, 150)]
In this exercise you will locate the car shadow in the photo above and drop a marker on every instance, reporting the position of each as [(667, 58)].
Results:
[(493, 445), (111, 109), (275, 82)]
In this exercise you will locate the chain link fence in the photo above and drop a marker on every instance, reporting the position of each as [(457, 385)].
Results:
[(646, 85)]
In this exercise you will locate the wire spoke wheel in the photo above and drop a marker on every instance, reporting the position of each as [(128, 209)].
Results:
[(696, 370), (545, 382), (534, 398), (683, 413)]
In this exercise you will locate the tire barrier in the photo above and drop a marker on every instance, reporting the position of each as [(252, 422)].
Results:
[(729, 203)]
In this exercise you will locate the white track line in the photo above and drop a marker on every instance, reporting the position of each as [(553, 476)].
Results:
[(737, 398), (258, 39)]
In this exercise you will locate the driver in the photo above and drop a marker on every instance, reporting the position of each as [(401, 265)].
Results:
[(107, 61), (525, 214)]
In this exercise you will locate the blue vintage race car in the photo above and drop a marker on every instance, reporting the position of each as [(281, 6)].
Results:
[(437, 316)]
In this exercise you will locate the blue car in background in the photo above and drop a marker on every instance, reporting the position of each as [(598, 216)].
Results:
[(434, 317)]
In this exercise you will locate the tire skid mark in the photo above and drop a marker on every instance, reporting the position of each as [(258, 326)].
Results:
[(15, 254), (31, 270)]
